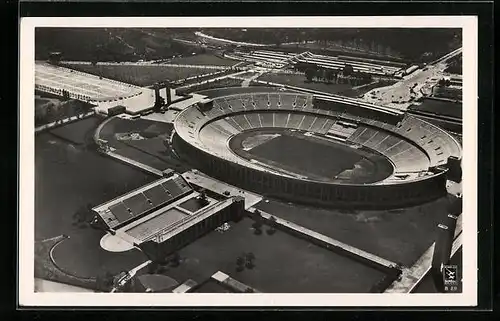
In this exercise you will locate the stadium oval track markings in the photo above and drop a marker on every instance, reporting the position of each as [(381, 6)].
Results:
[(113, 243)]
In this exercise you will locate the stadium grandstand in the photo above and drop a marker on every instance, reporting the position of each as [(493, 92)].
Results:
[(278, 59), (338, 63)]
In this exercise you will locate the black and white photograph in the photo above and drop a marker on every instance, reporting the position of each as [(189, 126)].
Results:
[(263, 161)]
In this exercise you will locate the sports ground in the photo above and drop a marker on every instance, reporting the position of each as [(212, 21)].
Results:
[(317, 159)]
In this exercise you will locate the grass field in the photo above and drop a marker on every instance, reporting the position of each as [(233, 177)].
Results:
[(397, 235), (141, 75), (306, 156), (73, 132), (300, 81), (151, 150), (283, 263), (311, 157), (67, 178), (204, 59)]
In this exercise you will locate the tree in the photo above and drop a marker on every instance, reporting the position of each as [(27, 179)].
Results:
[(175, 260), (104, 282), (240, 263), (329, 75), (83, 217), (249, 256), (347, 70), (272, 228), (249, 265), (310, 73), (202, 199)]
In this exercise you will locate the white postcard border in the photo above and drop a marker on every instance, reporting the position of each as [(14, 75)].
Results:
[(27, 296)]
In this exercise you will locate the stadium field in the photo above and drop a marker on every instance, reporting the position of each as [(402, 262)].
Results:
[(279, 258), (307, 155), (203, 60), (140, 75), (317, 159)]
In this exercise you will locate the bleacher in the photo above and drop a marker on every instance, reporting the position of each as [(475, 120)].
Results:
[(139, 202)]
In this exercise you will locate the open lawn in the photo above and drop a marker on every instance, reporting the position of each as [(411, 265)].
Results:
[(301, 81), (68, 177), (203, 60), (396, 235), (151, 150), (140, 75), (283, 263)]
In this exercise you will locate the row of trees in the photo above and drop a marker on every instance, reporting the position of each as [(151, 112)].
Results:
[(346, 75), (54, 110)]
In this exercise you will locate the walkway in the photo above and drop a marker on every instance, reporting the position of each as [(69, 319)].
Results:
[(137, 164), (328, 242), (247, 81), (412, 87), (235, 285), (64, 121)]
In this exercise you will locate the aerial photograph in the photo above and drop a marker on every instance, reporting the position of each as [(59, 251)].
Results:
[(248, 160)]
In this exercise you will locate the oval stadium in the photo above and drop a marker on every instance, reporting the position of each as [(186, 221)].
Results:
[(317, 149)]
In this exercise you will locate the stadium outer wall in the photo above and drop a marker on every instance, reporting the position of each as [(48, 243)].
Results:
[(369, 197)]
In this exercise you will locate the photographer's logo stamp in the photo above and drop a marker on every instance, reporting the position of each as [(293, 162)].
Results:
[(450, 278)]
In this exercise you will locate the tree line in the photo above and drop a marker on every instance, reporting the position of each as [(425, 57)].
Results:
[(329, 76)]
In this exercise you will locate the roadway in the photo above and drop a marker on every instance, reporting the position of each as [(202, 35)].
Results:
[(418, 84)]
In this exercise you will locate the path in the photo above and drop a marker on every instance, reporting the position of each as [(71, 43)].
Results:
[(328, 242)]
